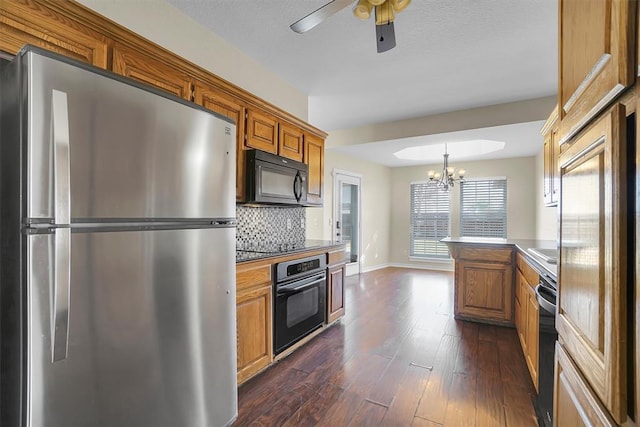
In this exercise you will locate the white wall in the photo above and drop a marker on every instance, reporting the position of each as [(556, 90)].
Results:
[(164, 25), (521, 199), (376, 180)]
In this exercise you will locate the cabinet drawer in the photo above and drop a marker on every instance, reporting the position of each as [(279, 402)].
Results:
[(252, 276), (499, 255), (336, 257), (530, 275)]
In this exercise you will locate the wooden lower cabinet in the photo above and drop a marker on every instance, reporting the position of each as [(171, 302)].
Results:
[(335, 294), (254, 314), (527, 313), (483, 283), (592, 296), (575, 403)]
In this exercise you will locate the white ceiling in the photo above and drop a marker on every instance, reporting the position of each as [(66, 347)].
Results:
[(450, 55)]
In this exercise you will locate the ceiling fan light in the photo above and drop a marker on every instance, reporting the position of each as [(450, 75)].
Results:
[(362, 10), (399, 5), (376, 2), (384, 14)]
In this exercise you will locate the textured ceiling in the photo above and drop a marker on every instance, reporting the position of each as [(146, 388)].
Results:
[(450, 55)]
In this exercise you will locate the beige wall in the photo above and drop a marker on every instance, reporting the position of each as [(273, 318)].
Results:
[(546, 217), (521, 203), (376, 180), (176, 32)]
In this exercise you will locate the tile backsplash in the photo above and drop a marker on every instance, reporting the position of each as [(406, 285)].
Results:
[(269, 225)]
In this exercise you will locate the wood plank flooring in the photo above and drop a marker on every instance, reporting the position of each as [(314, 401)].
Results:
[(397, 358)]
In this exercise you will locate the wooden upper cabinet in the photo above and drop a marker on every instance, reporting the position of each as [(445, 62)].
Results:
[(290, 142), (27, 22), (221, 103), (551, 184), (136, 65), (596, 41), (262, 131), (592, 309), (314, 158)]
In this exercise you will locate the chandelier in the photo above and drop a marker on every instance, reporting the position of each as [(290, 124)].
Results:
[(446, 179)]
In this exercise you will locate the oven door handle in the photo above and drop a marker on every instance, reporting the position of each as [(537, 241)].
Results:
[(301, 285)]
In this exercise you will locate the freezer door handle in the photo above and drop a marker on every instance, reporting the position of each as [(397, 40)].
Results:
[(60, 139), (62, 204)]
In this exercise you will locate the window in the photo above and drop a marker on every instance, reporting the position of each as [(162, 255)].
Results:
[(483, 207), (429, 221)]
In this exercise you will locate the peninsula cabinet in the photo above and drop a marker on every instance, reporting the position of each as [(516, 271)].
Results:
[(221, 103), (254, 319), (592, 296), (483, 283), (596, 58)]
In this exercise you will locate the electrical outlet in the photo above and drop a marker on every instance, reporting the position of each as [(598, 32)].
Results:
[(301, 222), (288, 223)]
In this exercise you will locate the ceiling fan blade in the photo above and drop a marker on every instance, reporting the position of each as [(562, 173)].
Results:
[(314, 18), (385, 37)]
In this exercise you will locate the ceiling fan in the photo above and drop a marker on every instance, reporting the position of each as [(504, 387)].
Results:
[(385, 11)]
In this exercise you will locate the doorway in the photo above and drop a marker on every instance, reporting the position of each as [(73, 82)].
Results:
[(347, 208)]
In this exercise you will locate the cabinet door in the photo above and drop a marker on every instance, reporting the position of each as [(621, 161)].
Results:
[(548, 170), (224, 104), (574, 403), (290, 142), (532, 339), (262, 131), (138, 66), (314, 158), (335, 307), (521, 310), (592, 307), (31, 23), (595, 57), (485, 291), (254, 331)]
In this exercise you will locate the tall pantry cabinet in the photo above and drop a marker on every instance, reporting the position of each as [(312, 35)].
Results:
[(596, 352)]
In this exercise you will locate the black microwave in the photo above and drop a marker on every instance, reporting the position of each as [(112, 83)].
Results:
[(275, 180)]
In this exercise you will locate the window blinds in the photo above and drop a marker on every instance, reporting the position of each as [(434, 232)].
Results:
[(483, 208), (429, 221)]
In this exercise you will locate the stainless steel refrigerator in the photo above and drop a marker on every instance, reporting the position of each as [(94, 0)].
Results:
[(117, 273)]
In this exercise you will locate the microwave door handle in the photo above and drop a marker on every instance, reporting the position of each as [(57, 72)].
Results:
[(297, 187)]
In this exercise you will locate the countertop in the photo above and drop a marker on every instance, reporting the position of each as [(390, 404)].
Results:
[(252, 254), (522, 245)]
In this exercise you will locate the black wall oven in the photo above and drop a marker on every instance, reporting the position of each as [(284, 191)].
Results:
[(546, 292), (300, 300)]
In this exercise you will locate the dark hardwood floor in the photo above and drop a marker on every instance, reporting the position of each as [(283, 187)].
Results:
[(397, 358)]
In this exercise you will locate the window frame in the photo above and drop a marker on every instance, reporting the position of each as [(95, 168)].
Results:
[(489, 220), (442, 251)]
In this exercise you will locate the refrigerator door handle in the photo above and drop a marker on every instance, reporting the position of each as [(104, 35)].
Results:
[(62, 215)]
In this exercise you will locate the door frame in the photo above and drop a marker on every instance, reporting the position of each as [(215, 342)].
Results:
[(339, 176)]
